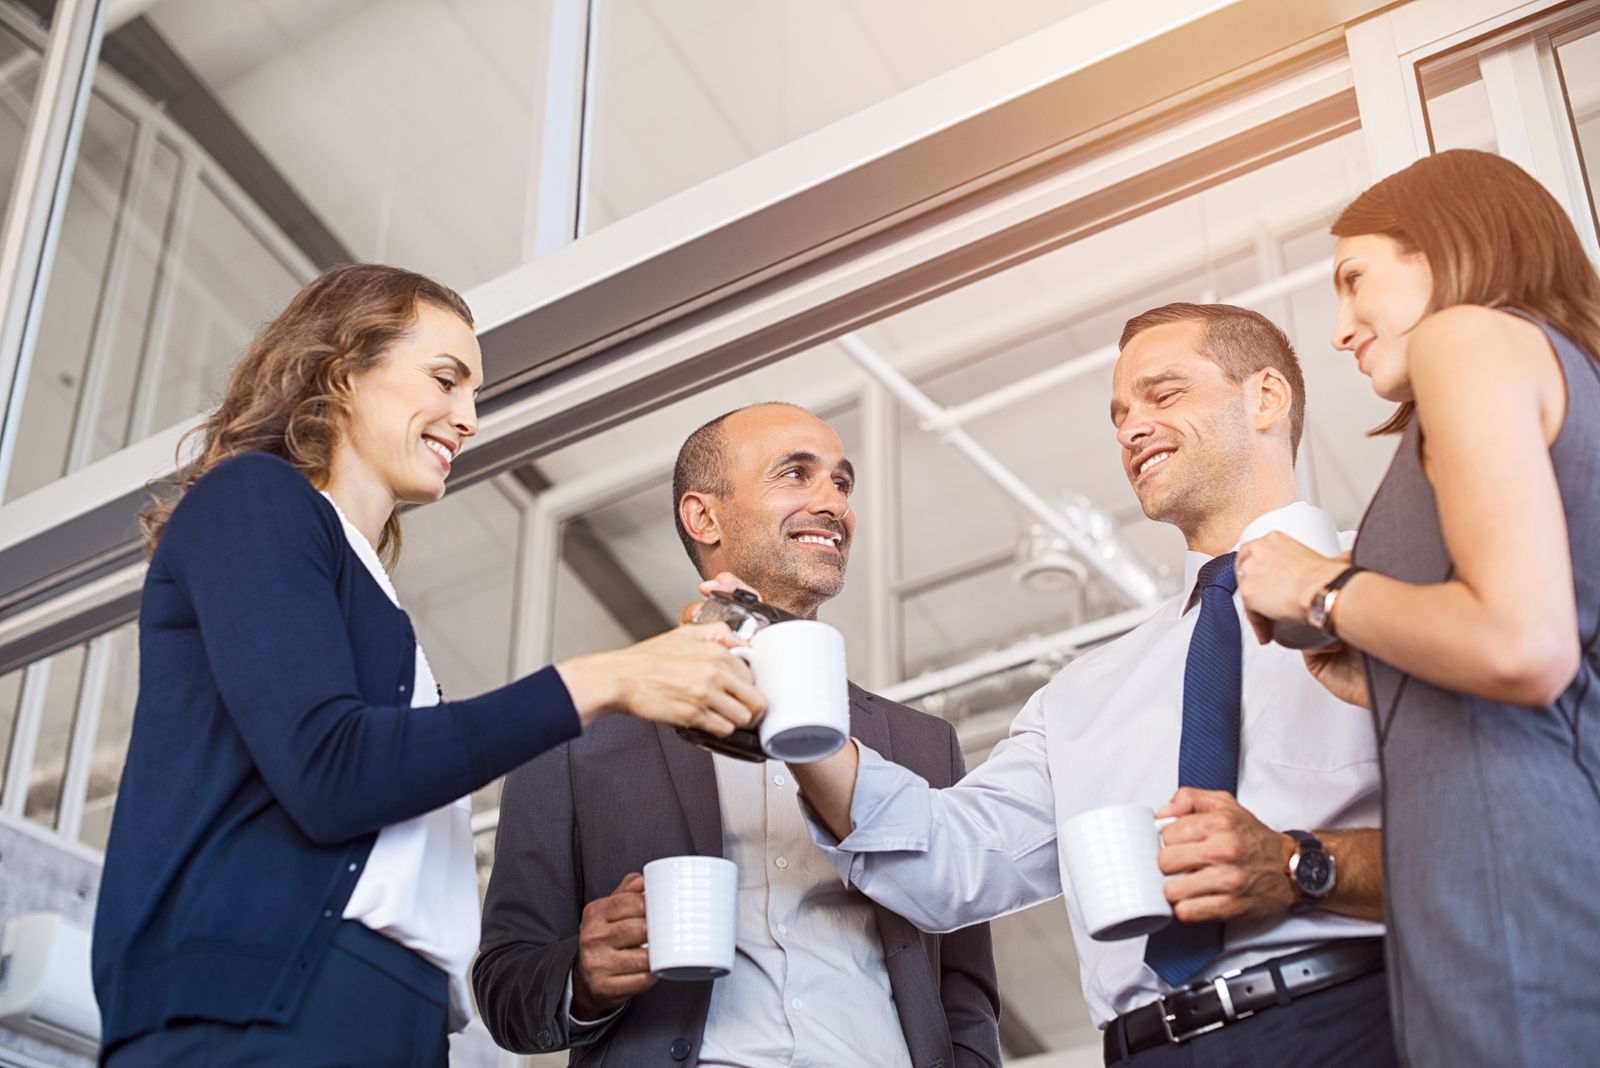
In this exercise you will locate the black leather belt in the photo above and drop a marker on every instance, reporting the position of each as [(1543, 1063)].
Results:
[(1208, 1004)]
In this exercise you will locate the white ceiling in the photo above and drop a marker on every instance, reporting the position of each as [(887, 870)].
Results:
[(410, 126)]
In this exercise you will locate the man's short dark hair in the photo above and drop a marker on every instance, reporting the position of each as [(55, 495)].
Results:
[(1239, 341), (701, 469)]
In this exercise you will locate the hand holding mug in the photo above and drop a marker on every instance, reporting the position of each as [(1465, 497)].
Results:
[(612, 964), (1278, 576), (684, 678), (1222, 862)]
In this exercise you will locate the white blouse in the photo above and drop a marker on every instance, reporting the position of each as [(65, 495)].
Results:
[(420, 885)]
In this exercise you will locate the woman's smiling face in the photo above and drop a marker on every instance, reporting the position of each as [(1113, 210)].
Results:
[(1384, 291), (410, 415)]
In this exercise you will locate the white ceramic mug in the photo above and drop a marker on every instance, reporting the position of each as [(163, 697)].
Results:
[(799, 666), (690, 918), (1111, 861), (1316, 530)]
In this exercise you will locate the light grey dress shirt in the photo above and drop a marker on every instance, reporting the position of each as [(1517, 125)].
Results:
[(808, 988), (1106, 731)]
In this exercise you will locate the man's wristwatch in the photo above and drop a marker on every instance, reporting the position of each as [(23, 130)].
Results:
[(1312, 872), (1322, 601)]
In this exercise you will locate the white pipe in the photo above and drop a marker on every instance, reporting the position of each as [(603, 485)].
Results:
[(1062, 643), (999, 473)]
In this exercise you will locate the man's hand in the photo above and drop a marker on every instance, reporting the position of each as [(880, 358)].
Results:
[(1225, 864), (612, 964)]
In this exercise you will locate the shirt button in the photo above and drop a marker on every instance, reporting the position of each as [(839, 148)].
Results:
[(680, 1050), (326, 913), (782, 862), (546, 1039), (778, 780), (353, 867), (796, 1004), (782, 929)]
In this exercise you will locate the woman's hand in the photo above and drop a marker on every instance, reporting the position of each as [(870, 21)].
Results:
[(684, 678), (1340, 670), (1277, 578)]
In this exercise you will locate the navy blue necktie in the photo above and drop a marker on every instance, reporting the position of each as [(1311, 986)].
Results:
[(1208, 754)]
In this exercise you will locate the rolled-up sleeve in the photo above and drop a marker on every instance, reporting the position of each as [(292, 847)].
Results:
[(946, 859)]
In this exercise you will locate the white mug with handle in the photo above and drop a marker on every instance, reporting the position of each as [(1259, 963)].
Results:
[(690, 911), (1111, 861), (799, 665)]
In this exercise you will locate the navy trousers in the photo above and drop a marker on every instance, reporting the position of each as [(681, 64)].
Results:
[(1345, 1026), (373, 1002)]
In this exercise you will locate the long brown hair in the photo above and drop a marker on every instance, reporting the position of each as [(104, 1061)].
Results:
[(1492, 235), (288, 394)]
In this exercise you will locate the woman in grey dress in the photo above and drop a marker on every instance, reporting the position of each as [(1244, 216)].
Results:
[(1469, 622)]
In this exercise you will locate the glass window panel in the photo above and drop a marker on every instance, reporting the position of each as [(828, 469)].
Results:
[(112, 735), (408, 128), (687, 89), (19, 75), (43, 804), (72, 304), (1580, 74), (230, 282), (10, 698), (1457, 104), (147, 222)]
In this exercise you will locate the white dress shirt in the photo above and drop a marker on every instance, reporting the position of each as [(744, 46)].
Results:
[(809, 988), (1105, 731), (420, 885)]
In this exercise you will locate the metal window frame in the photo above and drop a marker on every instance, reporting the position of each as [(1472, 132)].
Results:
[(1513, 52), (38, 201)]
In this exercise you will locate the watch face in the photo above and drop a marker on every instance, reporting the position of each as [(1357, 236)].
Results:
[(1313, 872)]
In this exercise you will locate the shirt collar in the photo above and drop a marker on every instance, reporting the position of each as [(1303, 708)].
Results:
[(1194, 561)]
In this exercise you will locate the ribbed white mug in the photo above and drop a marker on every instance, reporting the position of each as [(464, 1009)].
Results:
[(1111, 860), (690, 917)]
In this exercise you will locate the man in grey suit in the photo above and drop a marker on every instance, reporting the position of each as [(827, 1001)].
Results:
[(822, 976)]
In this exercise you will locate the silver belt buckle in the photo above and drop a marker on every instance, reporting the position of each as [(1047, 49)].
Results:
[(1224, 995)]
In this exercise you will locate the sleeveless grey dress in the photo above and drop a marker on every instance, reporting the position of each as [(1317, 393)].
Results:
[(1491, 812)]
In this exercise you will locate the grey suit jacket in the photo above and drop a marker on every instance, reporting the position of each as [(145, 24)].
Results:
[(578, 819)]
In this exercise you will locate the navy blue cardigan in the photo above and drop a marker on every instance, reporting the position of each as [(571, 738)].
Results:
[(272, 740)]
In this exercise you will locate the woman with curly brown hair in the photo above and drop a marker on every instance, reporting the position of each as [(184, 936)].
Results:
[(1470, 612), (290, 878)]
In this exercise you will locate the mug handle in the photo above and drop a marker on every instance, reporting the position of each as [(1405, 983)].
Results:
[(1162, 824), (745, 653)]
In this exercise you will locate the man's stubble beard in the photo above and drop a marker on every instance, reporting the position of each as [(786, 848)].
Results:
[(780, 578)]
